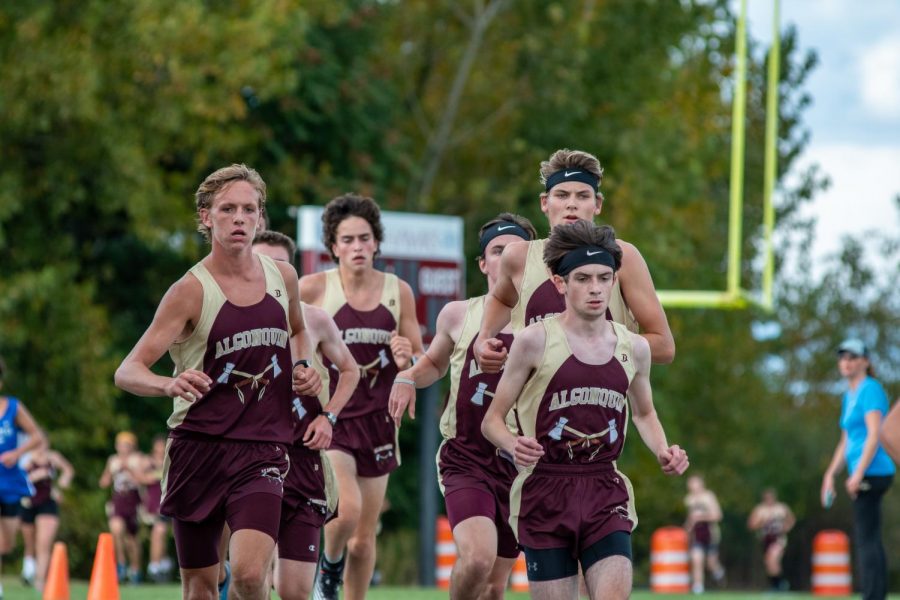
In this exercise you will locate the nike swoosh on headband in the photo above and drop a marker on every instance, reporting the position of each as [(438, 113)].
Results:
[(506, 227), (593, 253), (567, 174)]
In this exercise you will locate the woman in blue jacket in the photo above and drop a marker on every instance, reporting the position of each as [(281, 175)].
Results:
[(871, 470)]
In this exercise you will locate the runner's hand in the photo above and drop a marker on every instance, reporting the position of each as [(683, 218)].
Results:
[(306, 381), (527, 451), (490, 354), (403, 396), (673, 460), (9, 458), (318, 434), (401, 348), (190, 385)]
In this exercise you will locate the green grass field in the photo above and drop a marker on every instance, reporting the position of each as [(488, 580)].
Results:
[(13, 590)]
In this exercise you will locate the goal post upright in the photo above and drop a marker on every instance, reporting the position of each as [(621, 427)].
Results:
[(734, 296)]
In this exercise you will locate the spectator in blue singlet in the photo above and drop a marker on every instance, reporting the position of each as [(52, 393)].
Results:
[(14, 485), (863, 407)]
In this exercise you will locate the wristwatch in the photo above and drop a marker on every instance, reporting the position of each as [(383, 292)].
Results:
[(332, 418), (302, 362)]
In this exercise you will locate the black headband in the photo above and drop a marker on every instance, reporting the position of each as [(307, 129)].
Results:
[(586, 255), (574, 174), (502, 228)]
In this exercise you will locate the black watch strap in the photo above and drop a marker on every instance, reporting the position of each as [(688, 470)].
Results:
[(301, 362), (332, 418)]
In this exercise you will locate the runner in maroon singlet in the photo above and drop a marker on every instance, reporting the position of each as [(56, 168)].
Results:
[(122, 473), (376, 315), (159, 568), (308, 498), (474, 479), (230, 325), (570, 378), (49, 472), (525, 294)]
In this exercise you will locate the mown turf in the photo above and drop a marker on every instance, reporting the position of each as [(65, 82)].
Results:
[(13, 590)]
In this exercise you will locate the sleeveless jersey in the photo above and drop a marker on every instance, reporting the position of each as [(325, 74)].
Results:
[(774, 519), (43, 487), (14, 483), (368, 336), (471, 393), (245, 351), (125, 490), (538, 298), (576, 411)]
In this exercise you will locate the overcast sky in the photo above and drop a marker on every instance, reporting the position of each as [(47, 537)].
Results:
[(855, 115)]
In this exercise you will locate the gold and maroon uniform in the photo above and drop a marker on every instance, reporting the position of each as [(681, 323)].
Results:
[(230, 443), (539, 299), (574, 495), (473, 477), (366, 430)]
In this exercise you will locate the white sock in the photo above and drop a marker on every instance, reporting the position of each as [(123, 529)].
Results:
[(28, 567)]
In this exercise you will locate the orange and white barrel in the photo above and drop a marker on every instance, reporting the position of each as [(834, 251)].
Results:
[(831, 564), (445, 553), (518, 579), (669, 563)]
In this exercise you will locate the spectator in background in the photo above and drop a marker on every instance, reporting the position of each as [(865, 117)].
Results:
[(863, 407), (40, 512), (704, 516), (772, 520)]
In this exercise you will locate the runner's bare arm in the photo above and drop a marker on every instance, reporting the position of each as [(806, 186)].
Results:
[(334, 349), (525, 356), (65, 468), (498, 304), (890, 432), (312, 288), (106, 475), (306, 380), (672, 459), (406, 342), (178, 312), (318, 434), (640, 296), (432, 366), (36, 437)]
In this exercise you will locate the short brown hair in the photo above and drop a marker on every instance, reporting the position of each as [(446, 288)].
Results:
[(276, 238), (572, 159), (508, 218), (350, 205), (565, 238), (220, 179)]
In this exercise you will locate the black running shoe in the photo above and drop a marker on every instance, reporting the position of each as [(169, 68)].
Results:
[(328, 580)]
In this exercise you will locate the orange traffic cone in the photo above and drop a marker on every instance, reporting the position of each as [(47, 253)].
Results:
[(518, 581), (57, 585), (104, 581)]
